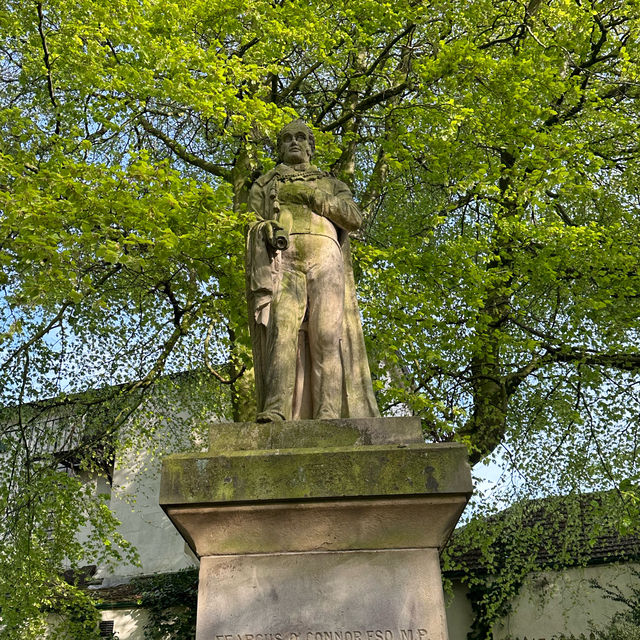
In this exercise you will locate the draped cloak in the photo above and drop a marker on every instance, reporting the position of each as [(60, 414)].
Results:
[(262, 275)]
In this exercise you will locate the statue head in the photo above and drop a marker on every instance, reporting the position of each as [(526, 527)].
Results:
[(296, 143)]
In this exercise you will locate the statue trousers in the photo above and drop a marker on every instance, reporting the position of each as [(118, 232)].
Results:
[(310, 290)]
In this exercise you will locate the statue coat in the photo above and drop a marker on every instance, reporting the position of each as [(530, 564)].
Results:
[(264, 272)]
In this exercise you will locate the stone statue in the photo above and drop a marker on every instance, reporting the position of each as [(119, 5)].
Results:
[(308, 349)]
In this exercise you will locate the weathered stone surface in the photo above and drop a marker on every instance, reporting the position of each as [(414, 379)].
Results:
[(361, 595), (241, 436), (318, 530), (309, 354), (319, 525), (286, 474)]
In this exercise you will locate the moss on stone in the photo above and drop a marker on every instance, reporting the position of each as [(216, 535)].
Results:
[(234, 436), (314, 472)]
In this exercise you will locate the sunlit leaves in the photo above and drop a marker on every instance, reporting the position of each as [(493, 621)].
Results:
[(493, 147)]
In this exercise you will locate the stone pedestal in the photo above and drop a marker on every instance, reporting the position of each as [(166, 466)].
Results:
[(318, 530)]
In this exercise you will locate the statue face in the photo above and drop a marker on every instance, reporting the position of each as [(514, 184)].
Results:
[(295, 147)]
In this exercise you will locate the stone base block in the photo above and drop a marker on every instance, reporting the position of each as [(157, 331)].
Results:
[(346, 595), (318, 530), (341, 525)]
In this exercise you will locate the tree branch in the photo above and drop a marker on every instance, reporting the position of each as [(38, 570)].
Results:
[(182, 153), (47, 64), (367, 103), (245, 47), (295, 85), (209, 366), (622, 361)]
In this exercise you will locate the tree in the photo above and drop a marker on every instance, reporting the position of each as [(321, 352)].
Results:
[(492, 147)]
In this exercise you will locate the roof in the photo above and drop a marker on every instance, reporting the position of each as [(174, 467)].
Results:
[(555, 532), (122, 595)]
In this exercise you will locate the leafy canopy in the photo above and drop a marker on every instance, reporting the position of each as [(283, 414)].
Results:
[(492, 147)]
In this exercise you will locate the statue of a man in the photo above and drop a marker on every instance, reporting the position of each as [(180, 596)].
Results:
[(309, 354)]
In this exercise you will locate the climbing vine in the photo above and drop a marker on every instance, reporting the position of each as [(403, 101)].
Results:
[(493, 556), (170, 600)]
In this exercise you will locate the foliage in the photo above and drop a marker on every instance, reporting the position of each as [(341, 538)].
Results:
[(54, 516), (74, 616), (494, 556), (492, 147), (40, 533), (170, 599)]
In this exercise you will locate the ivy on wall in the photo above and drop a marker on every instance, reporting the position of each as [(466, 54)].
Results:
[(171, 601), (493, 556)]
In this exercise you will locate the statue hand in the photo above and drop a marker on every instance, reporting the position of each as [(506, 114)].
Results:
[(275, 235), (297, 193)]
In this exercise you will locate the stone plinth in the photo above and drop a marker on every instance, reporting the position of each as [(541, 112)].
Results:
[(318, 530)]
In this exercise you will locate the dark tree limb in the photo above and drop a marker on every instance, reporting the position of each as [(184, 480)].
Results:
[(182, 153), (367, 103), (47, 64)]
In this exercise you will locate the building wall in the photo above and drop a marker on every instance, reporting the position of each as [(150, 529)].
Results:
[(134, 501), (459, 612), (551, 603), (128, 624)]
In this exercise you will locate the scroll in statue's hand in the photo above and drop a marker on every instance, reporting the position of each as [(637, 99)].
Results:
[(275, 235)]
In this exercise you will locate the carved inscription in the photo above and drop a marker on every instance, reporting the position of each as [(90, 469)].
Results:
[(355, 634)]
